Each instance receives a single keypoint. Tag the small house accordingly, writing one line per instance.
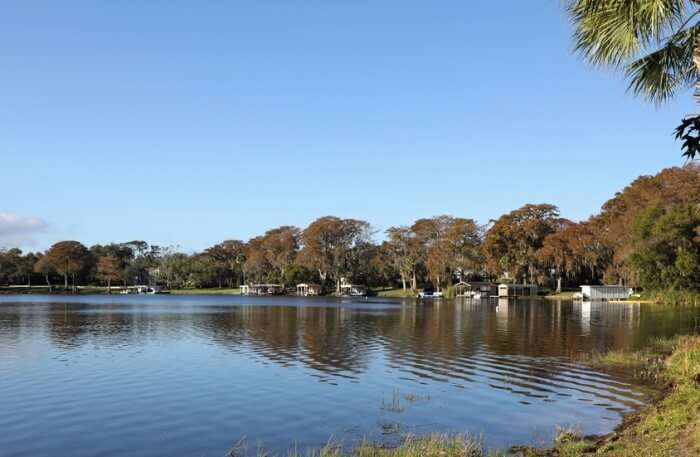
(476, 289)
(308, 290)
(261, 289)
(517, 290)
(604, 293)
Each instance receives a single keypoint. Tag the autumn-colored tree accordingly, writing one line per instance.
(109, 268)
(256, 266)
(123, 252)
(403, 251)
(327, 244)
(557, 252)
(613, 225)
(68, 258)
(280, 248)
(511, 244)
(463, 239)
(43, 266)
(429, 233)
(230, 254)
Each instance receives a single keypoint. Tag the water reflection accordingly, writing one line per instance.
(301, 370)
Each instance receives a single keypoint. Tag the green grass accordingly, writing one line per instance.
(668, 428)
(673, 297)
(429, 446)
(561, 295)
(212, 291)
(394, 293)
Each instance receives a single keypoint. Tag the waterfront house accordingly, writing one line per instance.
(307, 290)
(261, 289)
(517, 290)
(476, 289)
(604, 293)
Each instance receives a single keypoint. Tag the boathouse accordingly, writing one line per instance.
(517, 290)
(604, 293)
(261, 289)
(476, 289)
(353, 290)
(307, 290)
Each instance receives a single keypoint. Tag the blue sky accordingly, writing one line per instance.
(187, 123)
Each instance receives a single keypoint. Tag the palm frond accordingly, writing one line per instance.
(609, 32)
(658, 75)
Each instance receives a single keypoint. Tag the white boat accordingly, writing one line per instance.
(429, 293)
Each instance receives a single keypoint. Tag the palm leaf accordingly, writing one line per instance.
(609, 32)
(657, 76)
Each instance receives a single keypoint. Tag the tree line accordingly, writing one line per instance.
(647, 235)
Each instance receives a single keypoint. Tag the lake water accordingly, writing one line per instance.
(193, 375)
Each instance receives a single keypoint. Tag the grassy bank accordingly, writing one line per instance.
(394, 293)
(560, 296)
(668, 428)
(212, 291)
(673, 297)
(56, 290)
(429, 446)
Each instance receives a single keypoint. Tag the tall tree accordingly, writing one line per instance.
(463, 239)
(667, 247)
(327, 244)
(429, 233)
(68, 258)
(403, 251)
(256, 266)
(109, 269)
(511, 244)
(43, 266)
(231, 254)
(280, 248)
(612, 226)
(557, 252)
(656, 43)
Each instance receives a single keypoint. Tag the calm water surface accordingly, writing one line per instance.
(191, 376)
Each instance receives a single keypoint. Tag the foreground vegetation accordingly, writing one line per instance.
(430, 446)
(669, 427)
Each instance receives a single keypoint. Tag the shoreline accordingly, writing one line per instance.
(668, 426)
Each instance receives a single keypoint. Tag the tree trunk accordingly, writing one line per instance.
(558, 284)
(403, 281)
(65, 281)
(696, 61)
(414, 284)
(109, 286)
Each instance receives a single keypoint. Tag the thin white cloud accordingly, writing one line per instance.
(17, 230)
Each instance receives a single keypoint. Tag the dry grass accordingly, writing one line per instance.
(431, 446)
